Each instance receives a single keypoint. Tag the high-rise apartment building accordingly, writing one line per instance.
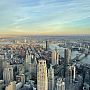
(55, 57)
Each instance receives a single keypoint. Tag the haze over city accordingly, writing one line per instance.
(44, 17)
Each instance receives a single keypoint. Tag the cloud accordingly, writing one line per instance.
(33, 14)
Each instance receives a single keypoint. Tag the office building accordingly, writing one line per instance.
(33, 67)
(70, 73)
(27, 61)
(55, 57)
(8, 73)
(67, 56)
(51, 78)
(47, 45)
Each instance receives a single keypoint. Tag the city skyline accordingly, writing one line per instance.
(45, 63)
(45, 17)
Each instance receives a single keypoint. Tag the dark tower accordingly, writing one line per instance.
(47, 45)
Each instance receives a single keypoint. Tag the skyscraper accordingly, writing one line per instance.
(27, 61)
(60, 85)
(11, 86)
(42, 79)
(47, 45)
(33, 67)
(51, 78)
(67, 56)
(1, 68)
(55, 57)
(70, 73)
(8, 73)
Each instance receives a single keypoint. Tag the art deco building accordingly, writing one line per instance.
(42, 79)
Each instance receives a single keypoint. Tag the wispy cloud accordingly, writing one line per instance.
(35, 14)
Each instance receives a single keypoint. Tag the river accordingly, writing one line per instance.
(86, 60)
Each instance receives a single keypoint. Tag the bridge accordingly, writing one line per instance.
(81, 56)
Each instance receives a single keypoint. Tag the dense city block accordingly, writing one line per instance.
(45, 63)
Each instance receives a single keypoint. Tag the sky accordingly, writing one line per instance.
(45, 17)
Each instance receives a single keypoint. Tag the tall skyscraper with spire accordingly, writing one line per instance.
(42, 79)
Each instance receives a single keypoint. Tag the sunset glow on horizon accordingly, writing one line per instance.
(44, 17)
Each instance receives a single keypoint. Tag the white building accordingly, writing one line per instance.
(60, 85)
(42, 79)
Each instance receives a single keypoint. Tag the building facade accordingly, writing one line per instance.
(51, 83)
(42, 79)
(55, 57)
